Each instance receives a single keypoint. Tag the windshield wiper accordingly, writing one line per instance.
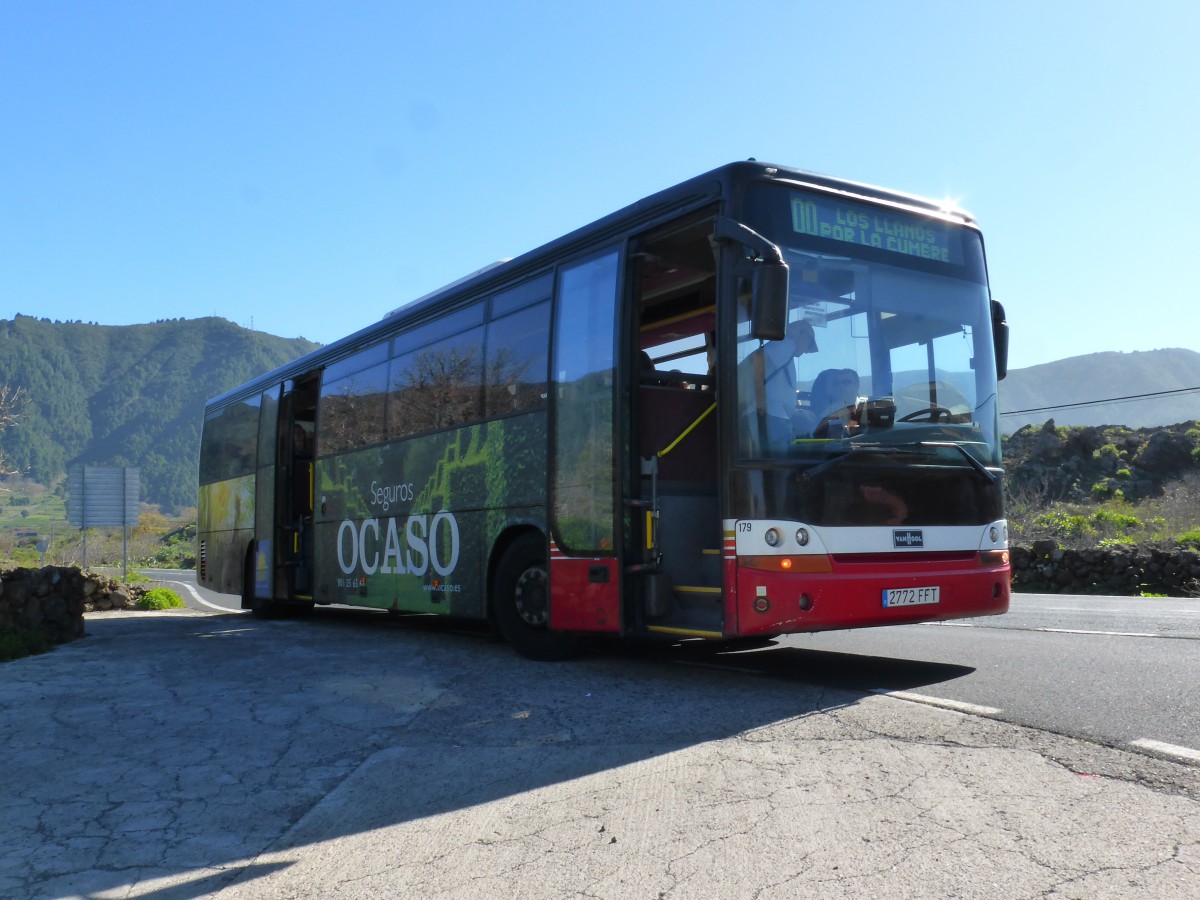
(975, 464)
(856, 449)
(893, 450)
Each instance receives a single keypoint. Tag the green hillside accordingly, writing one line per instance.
(126, 395)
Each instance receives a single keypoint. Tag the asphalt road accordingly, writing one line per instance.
(184, 754)
(1119, 671)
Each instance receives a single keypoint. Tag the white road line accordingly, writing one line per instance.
(196, 596)
(1108, 611)
(1101, 633)
(1187, 754)
(1143, 634)
(956, 705)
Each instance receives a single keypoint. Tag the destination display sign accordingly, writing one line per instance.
(866, 226)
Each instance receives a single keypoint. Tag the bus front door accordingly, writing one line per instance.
(675, 539)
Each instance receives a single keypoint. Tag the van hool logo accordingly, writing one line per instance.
(908, 538)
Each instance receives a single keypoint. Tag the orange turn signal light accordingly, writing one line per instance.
(809, 563)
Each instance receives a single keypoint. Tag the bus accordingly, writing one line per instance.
(763, 401)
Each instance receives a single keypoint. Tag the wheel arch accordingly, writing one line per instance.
(500, 547)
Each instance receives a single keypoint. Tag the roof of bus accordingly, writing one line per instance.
(641, 214)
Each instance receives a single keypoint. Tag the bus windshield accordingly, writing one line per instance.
(888, 341)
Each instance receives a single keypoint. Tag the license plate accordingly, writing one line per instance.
(914, 596)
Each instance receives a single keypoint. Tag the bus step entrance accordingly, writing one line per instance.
(683, 586)
(694, 608)
(696, 605)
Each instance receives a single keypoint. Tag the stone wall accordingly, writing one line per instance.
(1047, 568)
(53, 600)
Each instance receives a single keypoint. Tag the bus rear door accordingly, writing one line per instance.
(294, 489)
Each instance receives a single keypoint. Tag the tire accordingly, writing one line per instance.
(521, 602)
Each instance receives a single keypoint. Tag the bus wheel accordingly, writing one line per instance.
(521, 602)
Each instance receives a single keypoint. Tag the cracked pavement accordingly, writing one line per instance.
(181, 755)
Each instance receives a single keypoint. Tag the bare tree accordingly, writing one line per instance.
(12, 402)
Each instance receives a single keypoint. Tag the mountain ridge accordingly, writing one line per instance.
(1055, 390)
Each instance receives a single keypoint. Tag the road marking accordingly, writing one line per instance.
(1101, 633)
(1187, 754)
(956, 705)
(196, 596)
(1142, 634)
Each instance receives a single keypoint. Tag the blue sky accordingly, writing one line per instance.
(307, 167)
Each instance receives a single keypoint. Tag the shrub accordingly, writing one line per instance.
(1064, 524)
(18, 642)
(1191, 536)
(1102, 517)
(160, 598)
(1112, 524)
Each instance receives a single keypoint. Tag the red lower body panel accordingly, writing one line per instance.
(585, 594)
(851, 596)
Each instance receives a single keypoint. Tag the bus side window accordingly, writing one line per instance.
(438, 386)
(517, 360)
(230, 442)
(352, 410)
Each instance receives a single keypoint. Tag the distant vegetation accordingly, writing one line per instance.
(125, 395)
(30, 513)
(1103, 487)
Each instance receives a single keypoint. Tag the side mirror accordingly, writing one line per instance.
(769, 301)
(769, 291)
(1000, 339)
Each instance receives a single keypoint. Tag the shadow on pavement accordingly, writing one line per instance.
(224, 736)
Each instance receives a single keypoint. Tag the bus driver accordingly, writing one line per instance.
(772, 371)
(834, 397)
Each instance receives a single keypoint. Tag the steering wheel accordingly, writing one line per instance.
(934, 413)
(821, 431)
